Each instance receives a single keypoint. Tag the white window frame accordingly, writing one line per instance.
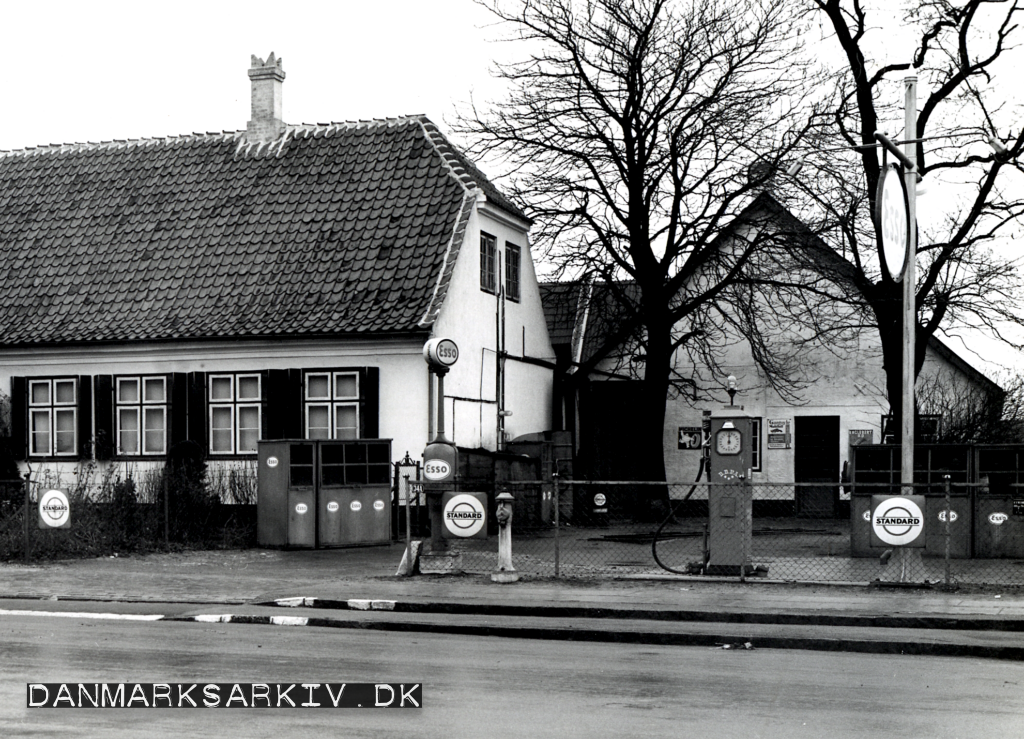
(140, 407)
(513, 266)
(49, 410)
(489, 277)
(236, 405)
(756, 448)
(332, 402)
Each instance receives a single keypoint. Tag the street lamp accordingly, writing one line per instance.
(732, 389)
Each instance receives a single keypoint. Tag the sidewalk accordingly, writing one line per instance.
(336, 581)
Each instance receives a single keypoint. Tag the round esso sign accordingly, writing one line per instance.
(464, 515)
(893, 220)
(301, 508)
(333, 506)
(897, 521)
(272, 462)
(436, 469)
(997, 519)
(54, 510)
(441, 353)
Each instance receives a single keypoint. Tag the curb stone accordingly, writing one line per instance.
(719, 641)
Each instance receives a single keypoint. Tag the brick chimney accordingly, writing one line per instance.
(267, 81)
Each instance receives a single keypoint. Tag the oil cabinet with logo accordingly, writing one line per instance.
(324, 493)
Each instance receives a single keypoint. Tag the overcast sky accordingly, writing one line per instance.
(101, 70)
(105, 69)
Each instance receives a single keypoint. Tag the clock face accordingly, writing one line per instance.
(729, 441)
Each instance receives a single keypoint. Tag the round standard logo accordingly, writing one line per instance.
(436, 469)
(464, 515)
(997, 518)
(54, 510)
(600, 500)
(272, 462)
(301, 508)
(897, 521)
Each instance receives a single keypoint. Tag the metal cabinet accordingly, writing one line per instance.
(324, 493)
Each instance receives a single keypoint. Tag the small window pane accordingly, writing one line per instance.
(346, 424)
(40, 393)
(127, 391)
(154, 436)
(222, 430)
(64, 438)
(318, 387)
(319, 422)
(333, 475)
(64, 390)
(249, 387)
(155, 390)
(128, 424)
(248, 429)
(220, 388)
(40, 432)
(346, 386)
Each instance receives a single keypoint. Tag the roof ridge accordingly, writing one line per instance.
(116, 143)
(146, 140)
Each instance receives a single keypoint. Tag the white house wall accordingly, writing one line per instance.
(849, 386)
(402, 414)
(469, 317)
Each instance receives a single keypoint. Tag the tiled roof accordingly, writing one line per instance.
(333, 229)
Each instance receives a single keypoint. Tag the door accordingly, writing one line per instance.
(816, 463)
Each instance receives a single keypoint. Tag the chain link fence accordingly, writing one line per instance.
(114, 513)
(972, 533)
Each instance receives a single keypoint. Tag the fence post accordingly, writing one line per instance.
(28, 505)
(949, 515)
(167, 508)
(558, 501)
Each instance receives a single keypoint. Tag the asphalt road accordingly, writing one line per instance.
(479, 686)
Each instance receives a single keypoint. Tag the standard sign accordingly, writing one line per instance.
(54, 510)
(897, 521)
(464, 515)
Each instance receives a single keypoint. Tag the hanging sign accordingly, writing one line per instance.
(54, 510)
(779, 436)
(892, 214)
(464, 515)
(690, 437)
(897, 520)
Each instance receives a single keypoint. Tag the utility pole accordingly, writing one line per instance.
(909, 289)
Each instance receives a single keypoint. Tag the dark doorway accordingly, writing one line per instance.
(611, 430)
(816, 463)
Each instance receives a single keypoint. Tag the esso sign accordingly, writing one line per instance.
(441, 353)
(436, 469)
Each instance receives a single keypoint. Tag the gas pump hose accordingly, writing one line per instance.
(671, 516)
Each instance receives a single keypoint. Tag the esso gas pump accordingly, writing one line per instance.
(730, 496)
(440, 456)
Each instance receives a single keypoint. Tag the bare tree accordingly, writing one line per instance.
(972, 414)
(964, 280)
(636, 133)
